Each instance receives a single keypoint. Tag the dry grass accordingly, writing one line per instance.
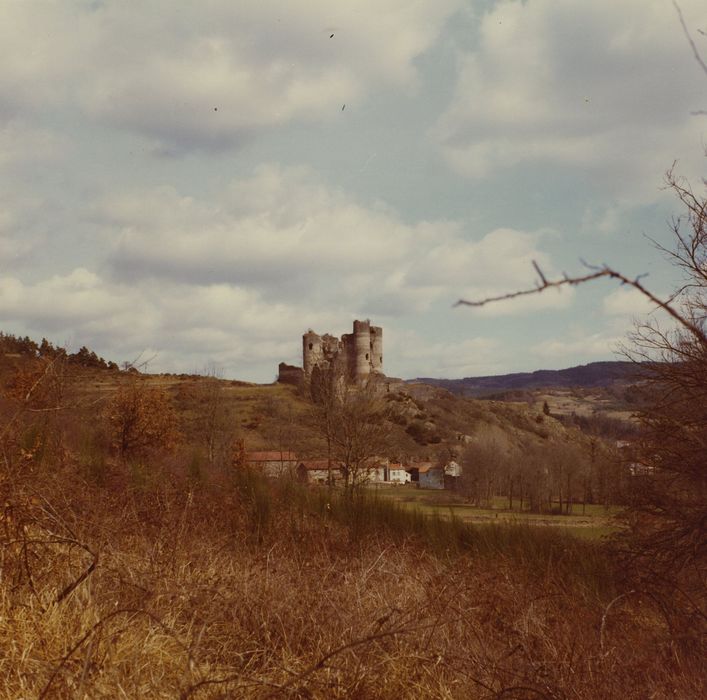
(148, 580)
(239, 588)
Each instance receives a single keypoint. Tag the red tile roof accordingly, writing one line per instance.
(423, 467)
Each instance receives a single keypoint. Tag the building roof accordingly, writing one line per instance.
(270, 456)
(421, 467)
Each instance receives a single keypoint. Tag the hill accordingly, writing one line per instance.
(592, 375)
(176, 572)
(424, 422)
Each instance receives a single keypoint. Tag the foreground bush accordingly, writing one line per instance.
(241, 588)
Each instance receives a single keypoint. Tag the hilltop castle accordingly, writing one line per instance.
(355, 356)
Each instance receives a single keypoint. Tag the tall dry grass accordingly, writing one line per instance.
(161, 586)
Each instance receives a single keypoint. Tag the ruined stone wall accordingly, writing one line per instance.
(289, 374)
(348, 360)
(356, 355)
(376, 348)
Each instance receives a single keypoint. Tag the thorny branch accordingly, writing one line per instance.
(401, 629)
(603, 271)
(689, 38)
(297, 678)
(693, 46)
(606, 612)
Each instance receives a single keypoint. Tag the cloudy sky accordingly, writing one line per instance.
(201, 182)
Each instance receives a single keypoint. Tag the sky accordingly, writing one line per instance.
(198, 184)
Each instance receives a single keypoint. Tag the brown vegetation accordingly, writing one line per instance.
(145, 572)
(151, 583)
(141, 421)
(664, 549)
(244, 589)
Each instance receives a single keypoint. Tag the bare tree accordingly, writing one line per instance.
(668, 515)
(214, 420)
(323, 391)
(482, 462)
(353, 423)
(665, 546)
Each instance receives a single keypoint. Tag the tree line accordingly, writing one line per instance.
(547, 477)
(24, 345)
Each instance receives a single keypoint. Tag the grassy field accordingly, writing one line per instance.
(159, 574)
(596, 522)
(249, 589)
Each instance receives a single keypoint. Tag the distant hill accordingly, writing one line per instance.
(593, 375)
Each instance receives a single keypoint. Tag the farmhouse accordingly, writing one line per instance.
(273, 463)
(397, 474)
(284, 463)
(316, 471)
(430, 476)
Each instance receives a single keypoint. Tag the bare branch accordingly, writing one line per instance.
(606, 612)
(601, 272)
(689, 38)
(540, 272)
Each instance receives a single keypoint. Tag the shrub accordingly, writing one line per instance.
(141, 421)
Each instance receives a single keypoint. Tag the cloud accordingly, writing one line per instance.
(209, 75)
(499, 263)
(280, 231)
(627, 302)
(21, 144)
(603, 87)
(26, 153)
(418, 356)
(185, 326)
(235, 277)
(285, 234)
(73, 299)
(23, 226)
(586, 341)
(580, 347)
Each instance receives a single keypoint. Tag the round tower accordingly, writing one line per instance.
(377, 348)
(311, 351)
(362, 340)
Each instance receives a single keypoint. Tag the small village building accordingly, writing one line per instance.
(316, 471)
(386, 472)
(273, 463)
(397, 474)
(630, 457)
(378, 471)
(452, 469)
(429, 476)
(283, 463)
(641, 469)
(452, 472)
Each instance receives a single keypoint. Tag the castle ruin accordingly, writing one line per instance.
(355, 356)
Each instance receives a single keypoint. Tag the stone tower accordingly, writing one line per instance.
(362, 350)
(311, 351)
(356, 354)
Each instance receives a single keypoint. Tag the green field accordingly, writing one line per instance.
(596, 522)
